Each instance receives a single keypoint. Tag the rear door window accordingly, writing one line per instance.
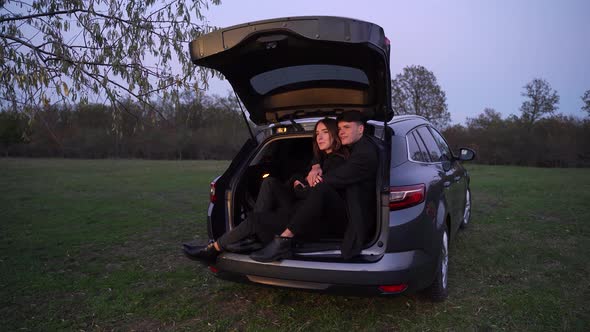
(431, 145)
(416, 150)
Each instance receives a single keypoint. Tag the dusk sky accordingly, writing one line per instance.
(482, 52)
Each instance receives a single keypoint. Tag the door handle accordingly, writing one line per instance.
(457, 178)
(447, 184)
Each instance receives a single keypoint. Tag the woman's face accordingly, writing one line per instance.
(323, 138)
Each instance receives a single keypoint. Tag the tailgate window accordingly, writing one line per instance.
(271, 80)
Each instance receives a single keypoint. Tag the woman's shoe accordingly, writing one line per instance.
(279, 248)
(207, 254)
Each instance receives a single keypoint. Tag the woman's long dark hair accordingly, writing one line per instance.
(336, 144)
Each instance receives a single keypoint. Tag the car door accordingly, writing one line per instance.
(451, 189)
(459, 174)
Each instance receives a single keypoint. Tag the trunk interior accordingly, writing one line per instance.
(281, 158)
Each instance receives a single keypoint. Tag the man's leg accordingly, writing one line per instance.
(357, 229)
(264, 225)
(240, 232)
(208, 253)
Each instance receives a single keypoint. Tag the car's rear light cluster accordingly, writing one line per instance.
(212, 196)
(392, 289)
(406, 196)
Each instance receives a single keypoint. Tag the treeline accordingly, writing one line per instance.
(200, 127)
(555, 141)
(205, 127)
(538, 137)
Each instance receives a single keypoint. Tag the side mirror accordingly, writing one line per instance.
(466, 154)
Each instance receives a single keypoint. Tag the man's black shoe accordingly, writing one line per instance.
(277, 249)
(206, 254)
(246, 245)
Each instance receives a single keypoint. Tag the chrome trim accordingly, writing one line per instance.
(287, 283)
(393, 261)
(319, 253)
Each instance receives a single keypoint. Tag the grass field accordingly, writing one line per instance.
(94, 245)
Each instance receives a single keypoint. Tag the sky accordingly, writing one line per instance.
(482, 52)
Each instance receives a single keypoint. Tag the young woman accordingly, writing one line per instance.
(266, 221)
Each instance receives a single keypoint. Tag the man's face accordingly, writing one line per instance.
(350, 132)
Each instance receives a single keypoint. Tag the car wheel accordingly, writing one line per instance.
(439, 291)
(467, 211)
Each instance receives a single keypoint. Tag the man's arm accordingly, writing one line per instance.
(361, 165)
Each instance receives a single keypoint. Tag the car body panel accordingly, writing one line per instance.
(219, 211)
(412, 267)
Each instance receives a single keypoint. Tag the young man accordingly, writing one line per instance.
(355, 178)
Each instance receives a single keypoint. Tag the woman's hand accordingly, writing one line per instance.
(314, 173)
(298, 183)
(318, 180)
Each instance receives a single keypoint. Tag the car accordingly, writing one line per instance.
(290, 72)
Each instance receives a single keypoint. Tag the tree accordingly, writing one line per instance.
(542, 100)
(70, 50)
(586, 100)
(416, 91)
(488, 119)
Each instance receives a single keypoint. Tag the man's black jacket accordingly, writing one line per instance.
(356, 177)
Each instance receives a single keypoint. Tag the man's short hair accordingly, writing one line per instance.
(351, 116)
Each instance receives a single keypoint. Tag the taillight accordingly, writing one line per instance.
(212, 196)
(393, 288)
(406, 196)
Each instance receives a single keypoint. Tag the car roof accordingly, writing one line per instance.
(402, 124)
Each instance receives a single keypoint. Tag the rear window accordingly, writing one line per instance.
(270, 80)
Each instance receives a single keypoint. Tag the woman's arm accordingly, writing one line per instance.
(315, 173)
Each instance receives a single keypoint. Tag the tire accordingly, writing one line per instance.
(439, 290)
(467, 212)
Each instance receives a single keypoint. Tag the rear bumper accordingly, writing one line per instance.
(414, 268)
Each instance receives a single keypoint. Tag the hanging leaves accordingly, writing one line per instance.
(110, 49)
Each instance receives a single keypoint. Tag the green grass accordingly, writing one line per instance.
(94, 245)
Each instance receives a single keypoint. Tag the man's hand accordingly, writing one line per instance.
(314, 176)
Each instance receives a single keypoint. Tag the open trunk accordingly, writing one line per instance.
(281, 157)
(302, 67)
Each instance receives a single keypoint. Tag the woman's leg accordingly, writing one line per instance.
(273, 195)
(322, 200)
